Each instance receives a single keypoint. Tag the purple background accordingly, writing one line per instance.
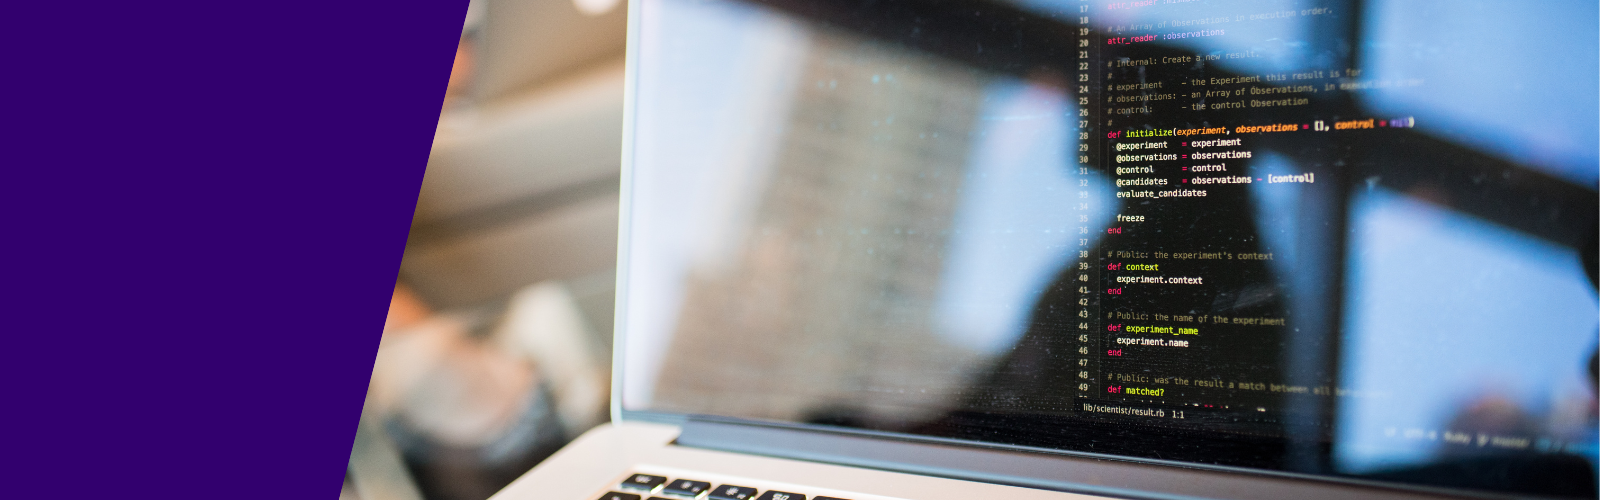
(207, 205)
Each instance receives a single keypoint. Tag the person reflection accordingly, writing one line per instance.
(1027, 398)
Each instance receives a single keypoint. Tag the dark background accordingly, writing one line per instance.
(207, 204)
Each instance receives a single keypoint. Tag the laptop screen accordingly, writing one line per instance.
(1343, 238)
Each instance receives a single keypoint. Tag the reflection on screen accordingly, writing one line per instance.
(1464, 338)
(1011, 232)
(1353, 239)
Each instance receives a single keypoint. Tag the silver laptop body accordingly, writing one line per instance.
(939, 249)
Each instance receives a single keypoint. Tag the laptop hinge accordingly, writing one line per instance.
(1048, 471)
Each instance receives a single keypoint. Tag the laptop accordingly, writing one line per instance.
(1027, 249)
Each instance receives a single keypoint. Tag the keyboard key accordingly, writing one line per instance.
(731, 492)
(643, 482)
(619, 496)
(827, 498)
(780, 495)
(686, 487)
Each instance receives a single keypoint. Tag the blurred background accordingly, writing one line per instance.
(496, 349)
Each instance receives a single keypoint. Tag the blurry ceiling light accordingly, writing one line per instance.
(595, 7)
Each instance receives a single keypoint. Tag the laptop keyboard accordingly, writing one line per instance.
(638, 486)
(686, 488)
(731, 492)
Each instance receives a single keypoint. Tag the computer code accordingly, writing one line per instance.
(1317, 236)
(1185, 310)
